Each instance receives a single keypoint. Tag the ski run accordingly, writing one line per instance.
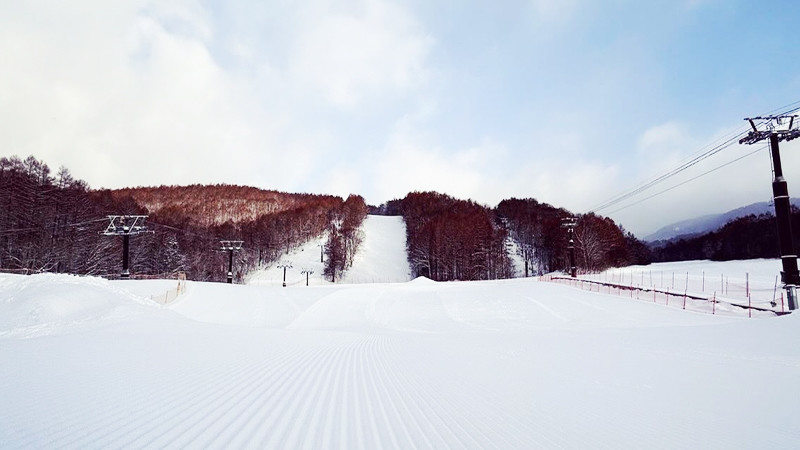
(382, 361)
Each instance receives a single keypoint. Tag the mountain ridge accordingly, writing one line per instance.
(710, 222)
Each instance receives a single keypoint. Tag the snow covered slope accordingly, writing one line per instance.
(505, 364)
(380, 259)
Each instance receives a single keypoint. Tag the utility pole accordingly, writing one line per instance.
(125, 226)
(230, 247)
(569, 223)
(284, 266)
(307, 272)
(780, 191)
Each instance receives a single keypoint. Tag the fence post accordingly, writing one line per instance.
(714, 304)
(775, 290)
(747, 285)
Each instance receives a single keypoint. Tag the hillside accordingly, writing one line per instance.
(744, 238)
(381, 259)
(56, 224)
(700, 225)
(213, 205)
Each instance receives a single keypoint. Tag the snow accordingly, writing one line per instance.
(382, 258)
(89, 363)
(728, 281)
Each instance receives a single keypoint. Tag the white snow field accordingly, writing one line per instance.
(90, 363)
(381, 259)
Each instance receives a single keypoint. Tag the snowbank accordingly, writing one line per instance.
(51, 303)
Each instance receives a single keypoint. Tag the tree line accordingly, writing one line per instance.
(451, 239)
(542, 240)
(53, 223)
(748, 237)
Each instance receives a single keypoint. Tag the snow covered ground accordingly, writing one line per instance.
(382, 258)
(754, 282)
(90, 363)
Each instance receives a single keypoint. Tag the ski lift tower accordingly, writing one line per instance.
(570, 223)
(230, 247)
(125, 226)
(307, 272)
(776, 131)
(284, 265)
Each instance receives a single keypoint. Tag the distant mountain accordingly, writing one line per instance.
(704, 224)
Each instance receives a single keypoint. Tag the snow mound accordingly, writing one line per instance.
(422, 280)
(44, 304)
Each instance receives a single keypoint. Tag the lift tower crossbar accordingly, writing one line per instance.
(777, 131)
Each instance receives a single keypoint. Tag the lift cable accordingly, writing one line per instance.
(691, 162)
(691, 179)
(77, 224)
(705, 152)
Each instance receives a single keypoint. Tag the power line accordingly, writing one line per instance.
(40, 228)
(691, 162)
(689, 180)
(721, 144)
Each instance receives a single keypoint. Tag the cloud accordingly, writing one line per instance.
(147, 97)
(554, 11)
(350, 54)
(489, 171)
(148, 105)
(411, 165)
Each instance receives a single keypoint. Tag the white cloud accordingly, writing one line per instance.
(352, 53)
(139, 100)
(413, 166)
(668, 135)
(553, 12)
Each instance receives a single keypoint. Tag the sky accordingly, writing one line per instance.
(570, 102)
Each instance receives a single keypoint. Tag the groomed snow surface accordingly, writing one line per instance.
(89, 363)
(381, 259)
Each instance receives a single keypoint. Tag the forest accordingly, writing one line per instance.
(539, 231)
(747, 237)
(451, 239)
(54, 223)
